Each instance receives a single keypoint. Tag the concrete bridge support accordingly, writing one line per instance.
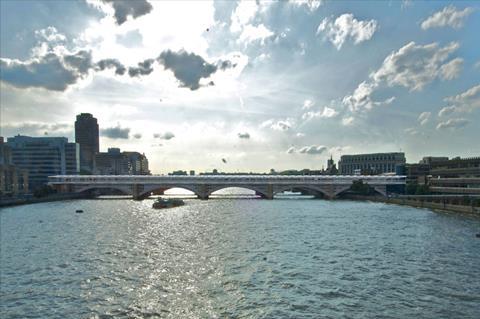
(202, 192)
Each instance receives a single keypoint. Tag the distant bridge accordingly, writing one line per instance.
(142, 186)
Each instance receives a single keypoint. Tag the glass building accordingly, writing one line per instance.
(43, 157)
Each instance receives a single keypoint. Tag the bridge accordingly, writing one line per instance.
(266, 186)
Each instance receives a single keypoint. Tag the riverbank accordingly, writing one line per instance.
(5, 202)
(419, 202)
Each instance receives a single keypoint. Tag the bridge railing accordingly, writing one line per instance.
(225, 179)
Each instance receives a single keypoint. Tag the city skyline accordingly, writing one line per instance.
(271, 85)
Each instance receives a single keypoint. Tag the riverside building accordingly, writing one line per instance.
(376, 163)
(115, 162)
(12, 179)
(43, 157)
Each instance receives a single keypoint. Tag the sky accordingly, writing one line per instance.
(247, 85)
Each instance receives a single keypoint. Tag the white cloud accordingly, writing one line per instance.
(348, 120)
(424, 117)
(327, 112)
(412, 66)
(453, 124)
(451, 70)
(411, 131)
(344, 27)
(282, 125)
(252, 33)
(447, 110)
(307, 104)
(449, 16)
(311, 5)
(463, 102)
(241, 22)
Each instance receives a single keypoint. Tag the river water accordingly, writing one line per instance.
(237, 258)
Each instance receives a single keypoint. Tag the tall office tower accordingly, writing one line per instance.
(86, 135)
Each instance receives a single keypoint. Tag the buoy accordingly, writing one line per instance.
(79, 211)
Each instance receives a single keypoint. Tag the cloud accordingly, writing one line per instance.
(164, 136)
(412, 131)
(311, 5)
(282, 125)
(241, 19)
(51, 71)
(252, 33)
(327, 112)
(464, 102)
(309, 150)
(307, 104)
(451, 70)
(412, 66)
(111, 63)
(137, 136)
(123, 9)
(424, 117)
(447, 110)
(348, 120)
(449, 16)
(116, 132)
(37, 128)
(244, 135)
(344, 27)
(188, 68)
(453, 124)
(50, 34)
(143, 68)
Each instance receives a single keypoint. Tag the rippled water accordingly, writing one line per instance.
(230, 258)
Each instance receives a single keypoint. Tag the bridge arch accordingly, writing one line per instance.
(256, 189)
(123, 190)
(307, 188)
(162, 188)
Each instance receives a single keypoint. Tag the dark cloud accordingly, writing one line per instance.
(36, 128)
(137, 136)
(164, 136)
(116, 132)
(188, 68)
(125, 8)
(111, 63)
(51, 71)
(223, 65)
(244, 135)
(144, 68)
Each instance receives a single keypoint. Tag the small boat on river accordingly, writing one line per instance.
(167, 203)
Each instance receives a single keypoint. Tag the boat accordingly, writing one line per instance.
(167, 203)
(79, 211)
